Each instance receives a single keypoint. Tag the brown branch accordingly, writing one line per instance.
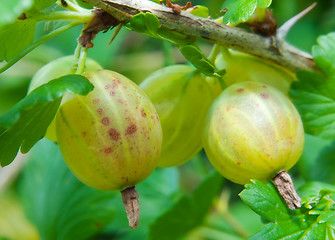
(268, 48)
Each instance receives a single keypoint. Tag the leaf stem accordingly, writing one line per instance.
(37, 43)
(223, 209)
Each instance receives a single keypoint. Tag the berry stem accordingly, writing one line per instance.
(132, 205)
(168, 57)
(81, 60)
(213, 54)
(286, 189)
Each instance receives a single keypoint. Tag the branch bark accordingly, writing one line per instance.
(269, 48)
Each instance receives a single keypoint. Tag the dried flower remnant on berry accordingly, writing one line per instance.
(176, 8)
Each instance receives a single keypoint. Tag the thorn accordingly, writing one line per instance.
(115, 33)
(286, 27)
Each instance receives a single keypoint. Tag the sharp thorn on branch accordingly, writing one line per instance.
(286, 27)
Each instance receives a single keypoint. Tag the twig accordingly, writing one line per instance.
(210, 30)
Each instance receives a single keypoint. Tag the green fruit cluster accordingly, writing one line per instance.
(114, 137)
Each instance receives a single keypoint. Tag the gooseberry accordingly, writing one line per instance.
(253, 131)
(241, 67)
(182, 98)
(111, 138)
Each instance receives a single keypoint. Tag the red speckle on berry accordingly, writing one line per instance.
(100, 111)
(114, 134)
(95, 100)
(105, 121)
(131, 129)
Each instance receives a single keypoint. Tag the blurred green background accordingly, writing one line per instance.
(39, 197)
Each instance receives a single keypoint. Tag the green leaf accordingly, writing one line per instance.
(56, 202)
(315, 220)
(188, 212)
(15, 37)
(318, 160)
(324, 54)
(42, 4)
(241, 10)
(175, 37)
(264, 3)
(200, 11)
(29, 119)
(311, 189)
(12, 9)
(314, 94)
(264, 200)
(145, 23)
(198, 59)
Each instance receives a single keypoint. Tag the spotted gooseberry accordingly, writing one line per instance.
(253, 131)
(111, 138)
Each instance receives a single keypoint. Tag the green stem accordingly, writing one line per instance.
(71, 6)
(225, 52)
(37, 43)
(64, 15)
(213, 54)
(168, 58)
(77, 52)
(237, 227)
(81, 61)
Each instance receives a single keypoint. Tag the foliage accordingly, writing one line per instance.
(315, 220)
(314, 93)
(28, 120)
(191, 211)
(241, 10)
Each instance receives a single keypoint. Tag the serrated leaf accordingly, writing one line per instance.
(198, 59)
(29, 119)
(16, 37)
(188, 212)
(314, 94)
(241, 10)
(56, 202)
(10, 10)
(324, 54)
(145, 23)
(265, 201)
(313, 221)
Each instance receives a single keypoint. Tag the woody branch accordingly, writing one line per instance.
(272, 48)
